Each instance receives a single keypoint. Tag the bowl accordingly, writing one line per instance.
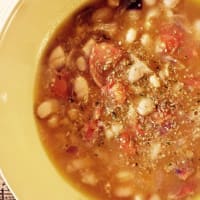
(23, 160)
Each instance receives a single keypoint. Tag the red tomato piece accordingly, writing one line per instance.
(127, 143)
(90, 130)
(118, 93)
(59, 87)
(189, 50)
(173, 36)
(115, 91)
(139, 129)
(184, 173)
(192, 82)
(103, 58)
(72, 149)
(185, 190)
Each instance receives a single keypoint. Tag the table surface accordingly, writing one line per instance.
(6, 8)
(5, 193)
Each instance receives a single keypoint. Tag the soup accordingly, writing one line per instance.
(118, 99)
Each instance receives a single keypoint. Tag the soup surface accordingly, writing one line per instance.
(118, 99)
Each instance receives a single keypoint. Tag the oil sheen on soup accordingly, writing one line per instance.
(118, 99)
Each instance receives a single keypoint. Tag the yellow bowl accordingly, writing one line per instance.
(22, 158)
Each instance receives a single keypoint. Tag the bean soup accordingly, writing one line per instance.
(118, 99)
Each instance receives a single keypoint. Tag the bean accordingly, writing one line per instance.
(154, 80)
(123, 191)
(155, 150)
(89, 178)
(145, 40)
(73, 114)
(53, 121)
(155, 197)
(113, 3)
(57, 58)
(102, 15)
(131, 35)
(88, 47)
(46, 108)
(150, 2)
(81, 88)
(171, 3)
(81, 63)
(137, 71)
(124, 176)
(145, 106)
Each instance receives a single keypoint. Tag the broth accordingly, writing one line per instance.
(118, 102)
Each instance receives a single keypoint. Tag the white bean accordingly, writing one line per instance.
(81, 88)
(160, 46)
(169, 13)
(46, 108)
(132, 114)
(123, 191)
(137, 71)
(109, 28)
(113, 3)
(124, 176)
(116, 129)
(155, 81)
(171, 3)
(145, 106)
(155, 150)
(113, 131)
(102, 15)
(131, 35)
(78, 164)
(145, 40)
(81, 63)
(109, 134)
(155, 197)
(150, 2)
(164, 73)
(57, 58)
(89, 178)
(138, 197)
(73, 114)
(53, 121)
(88, 47)
(152, 13)
(196, 27)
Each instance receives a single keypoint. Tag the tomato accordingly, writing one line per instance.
(72, 149)
(192, 82)
(139, 129)
(173, 36)
(185, 190)
(184, 173)
(127, 143)
(59, 87)
(104, 57)
(118, 93)
(115, 91)
(90, 130)
(188, 50)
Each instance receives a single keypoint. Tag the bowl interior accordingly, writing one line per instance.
(23, 160)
